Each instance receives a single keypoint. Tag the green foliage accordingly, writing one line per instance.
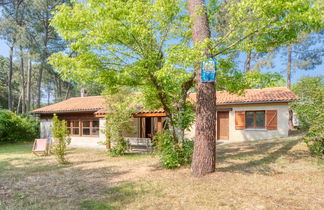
(120, 147)
(120, 107)
(61, 139)
(262, 24)
(14, 128)
(145, 45)
(173, 155)
(315, 136)
(310, 105)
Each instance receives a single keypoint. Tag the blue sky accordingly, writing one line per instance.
(279, 64)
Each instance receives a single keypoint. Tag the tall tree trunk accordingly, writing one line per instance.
(203, 161)
(248, 61)
(10, 104)
(39, 84)
(290, 118)
(29, 73)
(23, 101)
(67, 91)
(48, 95)
(60, 90)
(44, 55)
(19, 104)
(289, 67)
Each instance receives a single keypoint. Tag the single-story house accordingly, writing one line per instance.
(257, 114)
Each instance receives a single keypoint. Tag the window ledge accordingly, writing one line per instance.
(256, 129)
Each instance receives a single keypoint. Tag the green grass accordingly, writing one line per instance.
(272, 174)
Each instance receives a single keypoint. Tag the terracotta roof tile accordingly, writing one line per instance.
(264, 95)
(96, 103)
(78, 104)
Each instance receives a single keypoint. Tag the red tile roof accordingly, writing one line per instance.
(96, 103)
(264, 95)
(78, 104)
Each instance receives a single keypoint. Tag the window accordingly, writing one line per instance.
(267, 119)
(255, 119)
(95, 128)
(73, 127)
(83, 127)
(86, 128)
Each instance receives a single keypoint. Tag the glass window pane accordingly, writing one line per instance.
(95, 123)
(75, 131)
(95, 131)
(86, 123)
(68, 123)
(86, 131)
(249, 119)
(260, 119)
(75, 123)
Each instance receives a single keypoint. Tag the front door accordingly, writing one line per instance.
(222, 125)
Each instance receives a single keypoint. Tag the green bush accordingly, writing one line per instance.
(187, 151)
(120, 148)
(310, 104)
(173, 155)
(315, 137)
(61, 139)
(15, 128)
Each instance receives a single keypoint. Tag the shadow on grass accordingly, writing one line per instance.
(42, 183)
(256, 157)
(116, 197)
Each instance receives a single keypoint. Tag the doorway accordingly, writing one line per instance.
(222, 125)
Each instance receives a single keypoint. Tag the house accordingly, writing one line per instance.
(257, 114)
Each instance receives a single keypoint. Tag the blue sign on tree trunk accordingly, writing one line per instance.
(208, 70)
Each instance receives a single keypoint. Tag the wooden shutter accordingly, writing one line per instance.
(271, 119)
(240, 120)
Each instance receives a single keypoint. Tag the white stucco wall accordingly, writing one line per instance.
(254, 134)
(77, 141)
(91, 142)
(257, 134)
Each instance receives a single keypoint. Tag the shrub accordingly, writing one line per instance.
(15, 128)
(310, 105)
(120, 148)
(173, 155)
(315, 137)
(61, 139)
(187, 151)
(120, 107)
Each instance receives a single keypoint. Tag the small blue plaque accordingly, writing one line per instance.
(208, 70)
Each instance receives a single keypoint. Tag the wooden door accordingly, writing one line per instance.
(222, 125)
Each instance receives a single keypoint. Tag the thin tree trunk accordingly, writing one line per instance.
(203, 161)
(44, 56)
(289, 67)
(19, 104)
(48, 95)
(248, 61)
(290, 118)
(29, 73)
(60, 90)
(39, 84)
(10, 104)
(67, 91)
(23, 101)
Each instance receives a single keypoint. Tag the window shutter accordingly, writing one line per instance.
(271, 119)
(240, 120)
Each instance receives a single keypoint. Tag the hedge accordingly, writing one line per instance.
(15, 128)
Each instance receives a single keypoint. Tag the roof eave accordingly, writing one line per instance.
(255, 102)
(64, 111)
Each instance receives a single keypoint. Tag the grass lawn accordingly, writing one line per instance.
(272, 174)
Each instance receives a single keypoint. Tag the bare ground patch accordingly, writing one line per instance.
(275, 174)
